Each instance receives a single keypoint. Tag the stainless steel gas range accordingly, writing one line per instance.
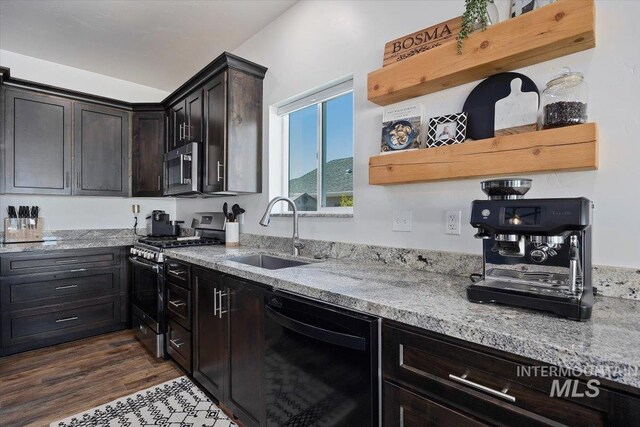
(148, 284)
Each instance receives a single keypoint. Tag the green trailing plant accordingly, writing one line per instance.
(475, 16)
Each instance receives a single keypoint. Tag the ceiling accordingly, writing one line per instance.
(156, 43)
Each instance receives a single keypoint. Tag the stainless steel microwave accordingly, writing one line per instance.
(182, 171)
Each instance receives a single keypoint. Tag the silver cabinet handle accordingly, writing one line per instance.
(177, 304)
(215, 301)
(66, 287)
(187, 136)
(219, 166)
(67, 319)
(180, 132)
(220, 310)
(501, 394)
(159, 178)
(176, 343)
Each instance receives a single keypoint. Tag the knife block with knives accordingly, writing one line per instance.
(24, 226)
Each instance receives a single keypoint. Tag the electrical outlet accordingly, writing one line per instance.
(452, 222)
(402, 220)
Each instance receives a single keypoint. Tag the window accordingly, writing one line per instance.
(318, 139)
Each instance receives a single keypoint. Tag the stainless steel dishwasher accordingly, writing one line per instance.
(321, 364)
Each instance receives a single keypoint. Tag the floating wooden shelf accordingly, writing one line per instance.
(560, 149)
(555, 30)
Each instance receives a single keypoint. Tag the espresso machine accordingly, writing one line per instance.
(536, 252)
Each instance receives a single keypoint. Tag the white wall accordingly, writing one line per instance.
(61, 212)
(41, 71)
(75, 213)
(315, 42)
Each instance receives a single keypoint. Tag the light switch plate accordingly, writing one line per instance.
(452, 222)
(402, 220)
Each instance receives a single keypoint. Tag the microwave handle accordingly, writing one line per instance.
(183, 158)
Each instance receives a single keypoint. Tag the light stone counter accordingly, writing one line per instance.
(609, 343)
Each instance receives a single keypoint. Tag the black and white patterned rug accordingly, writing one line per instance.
(175, 403)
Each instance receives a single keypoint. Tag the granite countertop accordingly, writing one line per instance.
(57, 245)
(608, 345)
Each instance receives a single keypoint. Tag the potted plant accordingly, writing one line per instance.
(478, 14)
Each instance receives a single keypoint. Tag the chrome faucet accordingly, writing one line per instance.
(266, 218)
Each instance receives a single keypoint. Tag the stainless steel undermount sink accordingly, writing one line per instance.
(267, 261)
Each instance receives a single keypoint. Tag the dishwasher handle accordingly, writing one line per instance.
(332, 337)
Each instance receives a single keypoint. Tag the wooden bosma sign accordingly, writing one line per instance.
(421, 41)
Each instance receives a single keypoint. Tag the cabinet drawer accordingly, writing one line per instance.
(43, 289)
(179, 304)
(32, 325)
(27, 263)
(179, 344)
(489, 386)
(178, 272)
(407, 409)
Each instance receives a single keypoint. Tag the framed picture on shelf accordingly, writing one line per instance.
(447, 130)
(518, 7)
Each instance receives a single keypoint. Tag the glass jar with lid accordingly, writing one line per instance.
(564, 101)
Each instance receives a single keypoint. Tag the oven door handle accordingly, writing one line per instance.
(134, 260)
(332, 337)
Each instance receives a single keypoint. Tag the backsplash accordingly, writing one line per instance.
(614, 282)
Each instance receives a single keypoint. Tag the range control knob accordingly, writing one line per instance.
(538, 255)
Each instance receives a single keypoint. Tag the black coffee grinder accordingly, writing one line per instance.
(537, 252)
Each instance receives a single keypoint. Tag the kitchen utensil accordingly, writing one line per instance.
(481, 102)
(225, 210)
(11, 211)
(237, 211)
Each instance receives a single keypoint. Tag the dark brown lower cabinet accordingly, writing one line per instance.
(430, 379)
(404, 408)
(245, 314)
(52, 297)
(228, 342)
(210, 333)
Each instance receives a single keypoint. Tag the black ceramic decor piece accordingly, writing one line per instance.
(481, 102)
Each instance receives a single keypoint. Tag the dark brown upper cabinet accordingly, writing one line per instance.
(101, 151)
(37, 143)
(233, 133)
(186, 120)
(148, 147)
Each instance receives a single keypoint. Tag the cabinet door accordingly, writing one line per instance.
(403, 408)
(147, 154)
(209, 332)
(245, 312)
(101, 147)
(193, 119)
(177, 114)
(38, 144)
(215, 119)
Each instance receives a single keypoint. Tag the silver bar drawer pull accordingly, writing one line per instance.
(67, 319)
(66, 287)
(501, 394)
(176, 343)
(177, 304)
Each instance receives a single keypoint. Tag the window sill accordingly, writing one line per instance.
(315, 214)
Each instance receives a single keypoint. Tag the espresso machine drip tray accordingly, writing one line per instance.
(530, 282)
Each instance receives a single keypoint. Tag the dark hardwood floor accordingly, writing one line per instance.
(42, 386)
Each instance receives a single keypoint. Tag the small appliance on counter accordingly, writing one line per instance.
(23, 225)
(159, 224)
(536, 252)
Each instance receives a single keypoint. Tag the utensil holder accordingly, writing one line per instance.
(22, 230)
(232, 234)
